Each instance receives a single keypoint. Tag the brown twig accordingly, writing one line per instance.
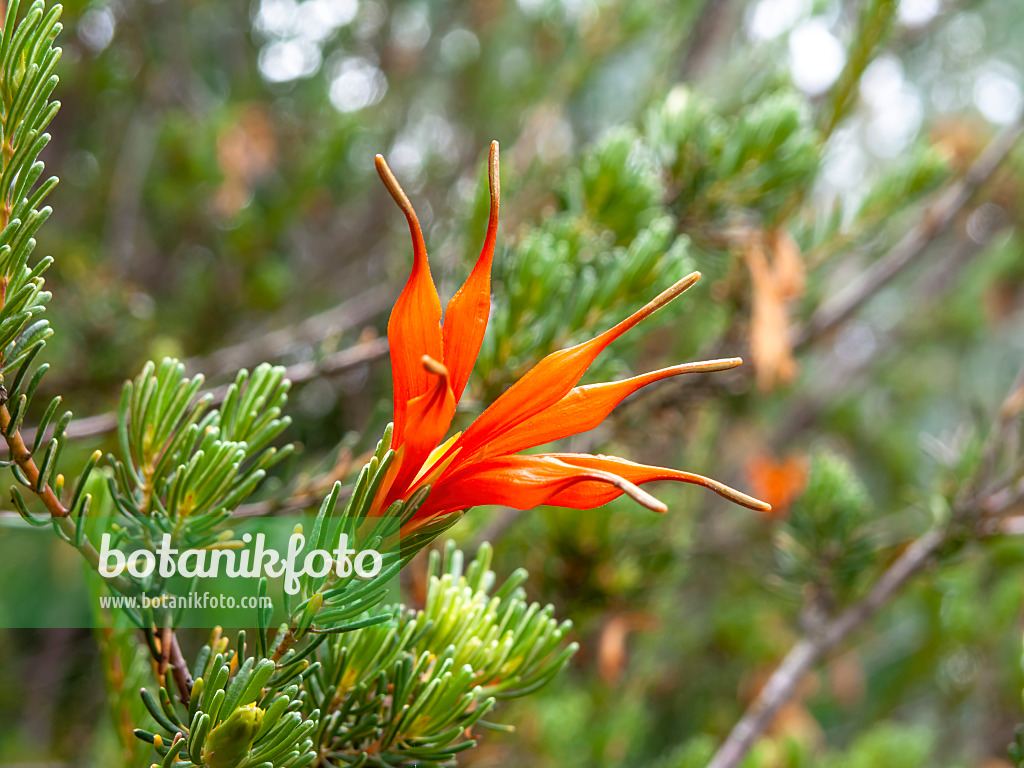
(936, 220)
(179, 669)
(287, 641)
(1008, 415)
(269, 346)
(707, 32)
(163, 659)
(783, 683)
(22, 456)
(339, 362)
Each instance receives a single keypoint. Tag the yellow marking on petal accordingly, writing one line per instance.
(376, 508)
(428, 467)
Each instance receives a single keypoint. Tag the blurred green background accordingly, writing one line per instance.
(217, 190)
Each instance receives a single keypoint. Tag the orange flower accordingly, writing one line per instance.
(431, 359)
(779, 481)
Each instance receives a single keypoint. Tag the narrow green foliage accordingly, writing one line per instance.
(617, 185)
(27, 61)
(617, 239)
(1016, 748)
(28, 58)
(876, 17)
(827, 541)
(335, 603)
(189, 464)
(760, 160)
(921, 170)
(396, 693)
(887, 745)
(551, 282)
(444, 667)
(233, 717)
(229, 744)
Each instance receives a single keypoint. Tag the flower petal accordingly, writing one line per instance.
(589, 495)
(552, 378)
(522, 482)
(427, 419)
(584, 408)
(414, 329)
(465, 318)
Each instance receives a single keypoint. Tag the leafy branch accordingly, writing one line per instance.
(383, 694)
(969, 512)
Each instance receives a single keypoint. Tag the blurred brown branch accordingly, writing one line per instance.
(338, 362)
(970, 506)
(269, 346)
(936, 219)
(835, 311)
(709, 28)
(783, 683)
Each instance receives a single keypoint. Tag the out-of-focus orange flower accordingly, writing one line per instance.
(431, 359)
(780, 482)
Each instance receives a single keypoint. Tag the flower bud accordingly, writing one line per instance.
(230, 742)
